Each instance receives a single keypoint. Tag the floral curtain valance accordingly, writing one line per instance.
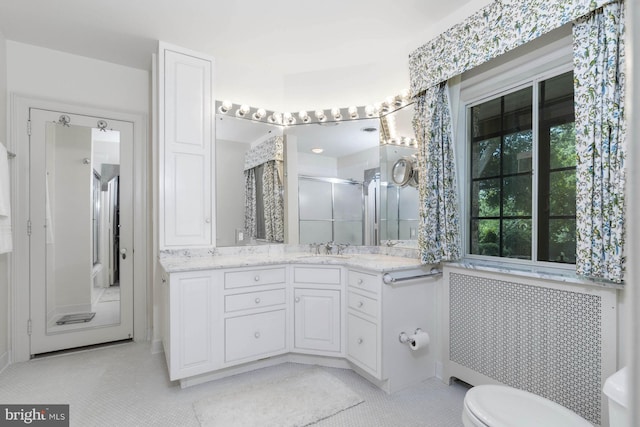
(496, 29)
(271, 149)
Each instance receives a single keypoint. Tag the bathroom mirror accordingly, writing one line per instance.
(336, 166)
(81, 191)
(398, 179)
(338, 180)
(236, 140)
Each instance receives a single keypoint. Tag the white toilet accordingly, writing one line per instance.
(502, 406)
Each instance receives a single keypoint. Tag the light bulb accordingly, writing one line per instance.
(289, 119)
(275, 118)
(225, 106)
(369, 110)
(304, 116)
(320, 116)
(353, 112)
(259, 114)
(243, 110)
(335, 113)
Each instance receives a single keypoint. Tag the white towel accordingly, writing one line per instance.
(6, 242)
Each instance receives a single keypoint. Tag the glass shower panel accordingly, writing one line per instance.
(315, 231)
(347, 202)
(315, 200)
(348, 232)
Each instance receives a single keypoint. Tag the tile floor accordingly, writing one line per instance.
(126, 385)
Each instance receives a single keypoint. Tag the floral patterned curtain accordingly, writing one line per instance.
(273, 201)
(497, 28)
(599, 80)
(250, 225)
(439, 227)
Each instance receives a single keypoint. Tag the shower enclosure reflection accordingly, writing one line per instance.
(82, 226)
(334, 165)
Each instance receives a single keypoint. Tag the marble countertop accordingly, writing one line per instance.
(373, 262)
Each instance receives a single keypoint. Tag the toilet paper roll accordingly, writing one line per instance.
(419, 340)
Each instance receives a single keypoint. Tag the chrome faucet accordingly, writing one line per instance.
(341, 247)
(329, 247)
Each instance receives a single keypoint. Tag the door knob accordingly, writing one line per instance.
(123, 252)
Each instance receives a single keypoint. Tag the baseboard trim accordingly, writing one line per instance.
(156, 347)
(4, 361)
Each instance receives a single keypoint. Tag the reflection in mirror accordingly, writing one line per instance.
(399, 179)
(81, 202)
(249, 182)
(336, 165)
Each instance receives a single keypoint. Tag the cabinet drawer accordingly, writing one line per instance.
(255, 335)
(365, 282)
(327, 276)
(362, 344)
(252, 300)
(363, 304)
(264, 276)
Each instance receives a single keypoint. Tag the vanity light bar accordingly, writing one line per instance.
(334, 114)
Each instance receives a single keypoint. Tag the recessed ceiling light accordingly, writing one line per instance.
(317, 150)
(369, 129)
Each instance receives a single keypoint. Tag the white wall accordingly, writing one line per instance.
(4, 258)
(229, 190)
(51, 74)
(343, 87)
(248, 84)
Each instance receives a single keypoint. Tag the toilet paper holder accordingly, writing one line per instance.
(406, 339)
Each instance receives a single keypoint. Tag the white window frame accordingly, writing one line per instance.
(512, 72)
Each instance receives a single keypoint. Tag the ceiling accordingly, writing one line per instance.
(283, 35)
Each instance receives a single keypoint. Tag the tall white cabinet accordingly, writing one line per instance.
(185, 148)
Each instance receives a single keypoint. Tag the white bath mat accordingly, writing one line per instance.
(293, 401)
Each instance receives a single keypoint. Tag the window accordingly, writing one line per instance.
(519, 210)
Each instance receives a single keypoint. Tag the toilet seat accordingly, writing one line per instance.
(502, 406)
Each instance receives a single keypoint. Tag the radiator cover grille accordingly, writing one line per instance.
(543, 340)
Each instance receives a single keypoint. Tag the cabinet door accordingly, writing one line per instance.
(185, 154)
(317, 320)
(192, 316)
(362, 344)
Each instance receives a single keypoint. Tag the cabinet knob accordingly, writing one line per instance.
(257, 334)
(360, 281)
(257, 300)
(297, 299)
(360, 340)
(360, 304)
(257, 278)
(207, 220)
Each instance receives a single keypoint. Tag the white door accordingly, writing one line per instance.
(81, 233)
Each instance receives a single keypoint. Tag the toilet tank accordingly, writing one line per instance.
(617, 391)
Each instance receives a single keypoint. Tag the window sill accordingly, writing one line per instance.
(536, 272)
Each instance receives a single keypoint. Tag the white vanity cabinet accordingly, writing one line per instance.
(185, 148)
(317, 310)
(364, 322)
(189, 311)
(255, 313)
(377, 314)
